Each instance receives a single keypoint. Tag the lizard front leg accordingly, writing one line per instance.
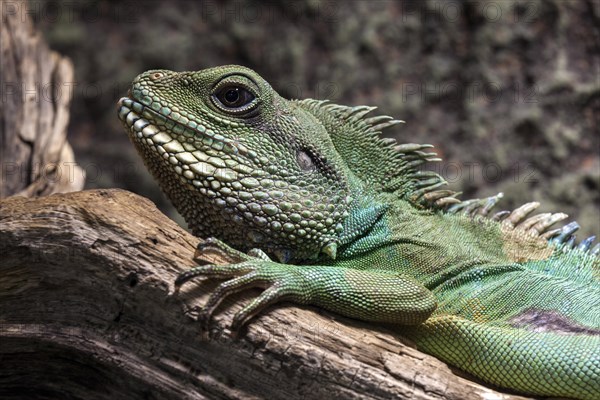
(366, 295)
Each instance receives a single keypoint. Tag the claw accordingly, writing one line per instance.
(204, 321)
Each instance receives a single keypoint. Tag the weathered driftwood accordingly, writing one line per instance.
(87, 311)
(37, 85)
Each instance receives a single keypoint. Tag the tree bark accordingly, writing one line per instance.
(37, 84)
(87, 311)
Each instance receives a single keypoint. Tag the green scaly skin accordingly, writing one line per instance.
(327, 213)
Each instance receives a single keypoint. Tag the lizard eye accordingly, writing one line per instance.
(234, 98)
(236, 95)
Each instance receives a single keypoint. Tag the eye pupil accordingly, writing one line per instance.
(234, 98)
(232, 95)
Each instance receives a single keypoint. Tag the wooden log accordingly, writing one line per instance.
(36, 91)
(87, 310)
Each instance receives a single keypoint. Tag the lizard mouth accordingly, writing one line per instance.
(144, 122)
(184, 148)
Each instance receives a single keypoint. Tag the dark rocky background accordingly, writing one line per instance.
(507, 91)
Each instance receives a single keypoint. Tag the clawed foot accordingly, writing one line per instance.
(278, 280)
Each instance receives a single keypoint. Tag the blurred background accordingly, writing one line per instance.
(507, 91)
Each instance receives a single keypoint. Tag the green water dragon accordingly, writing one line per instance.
(324, 211)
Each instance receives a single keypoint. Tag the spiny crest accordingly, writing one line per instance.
(392, 167)
(384, 164)
(537, 225)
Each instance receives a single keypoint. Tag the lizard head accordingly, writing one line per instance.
(239, 162)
